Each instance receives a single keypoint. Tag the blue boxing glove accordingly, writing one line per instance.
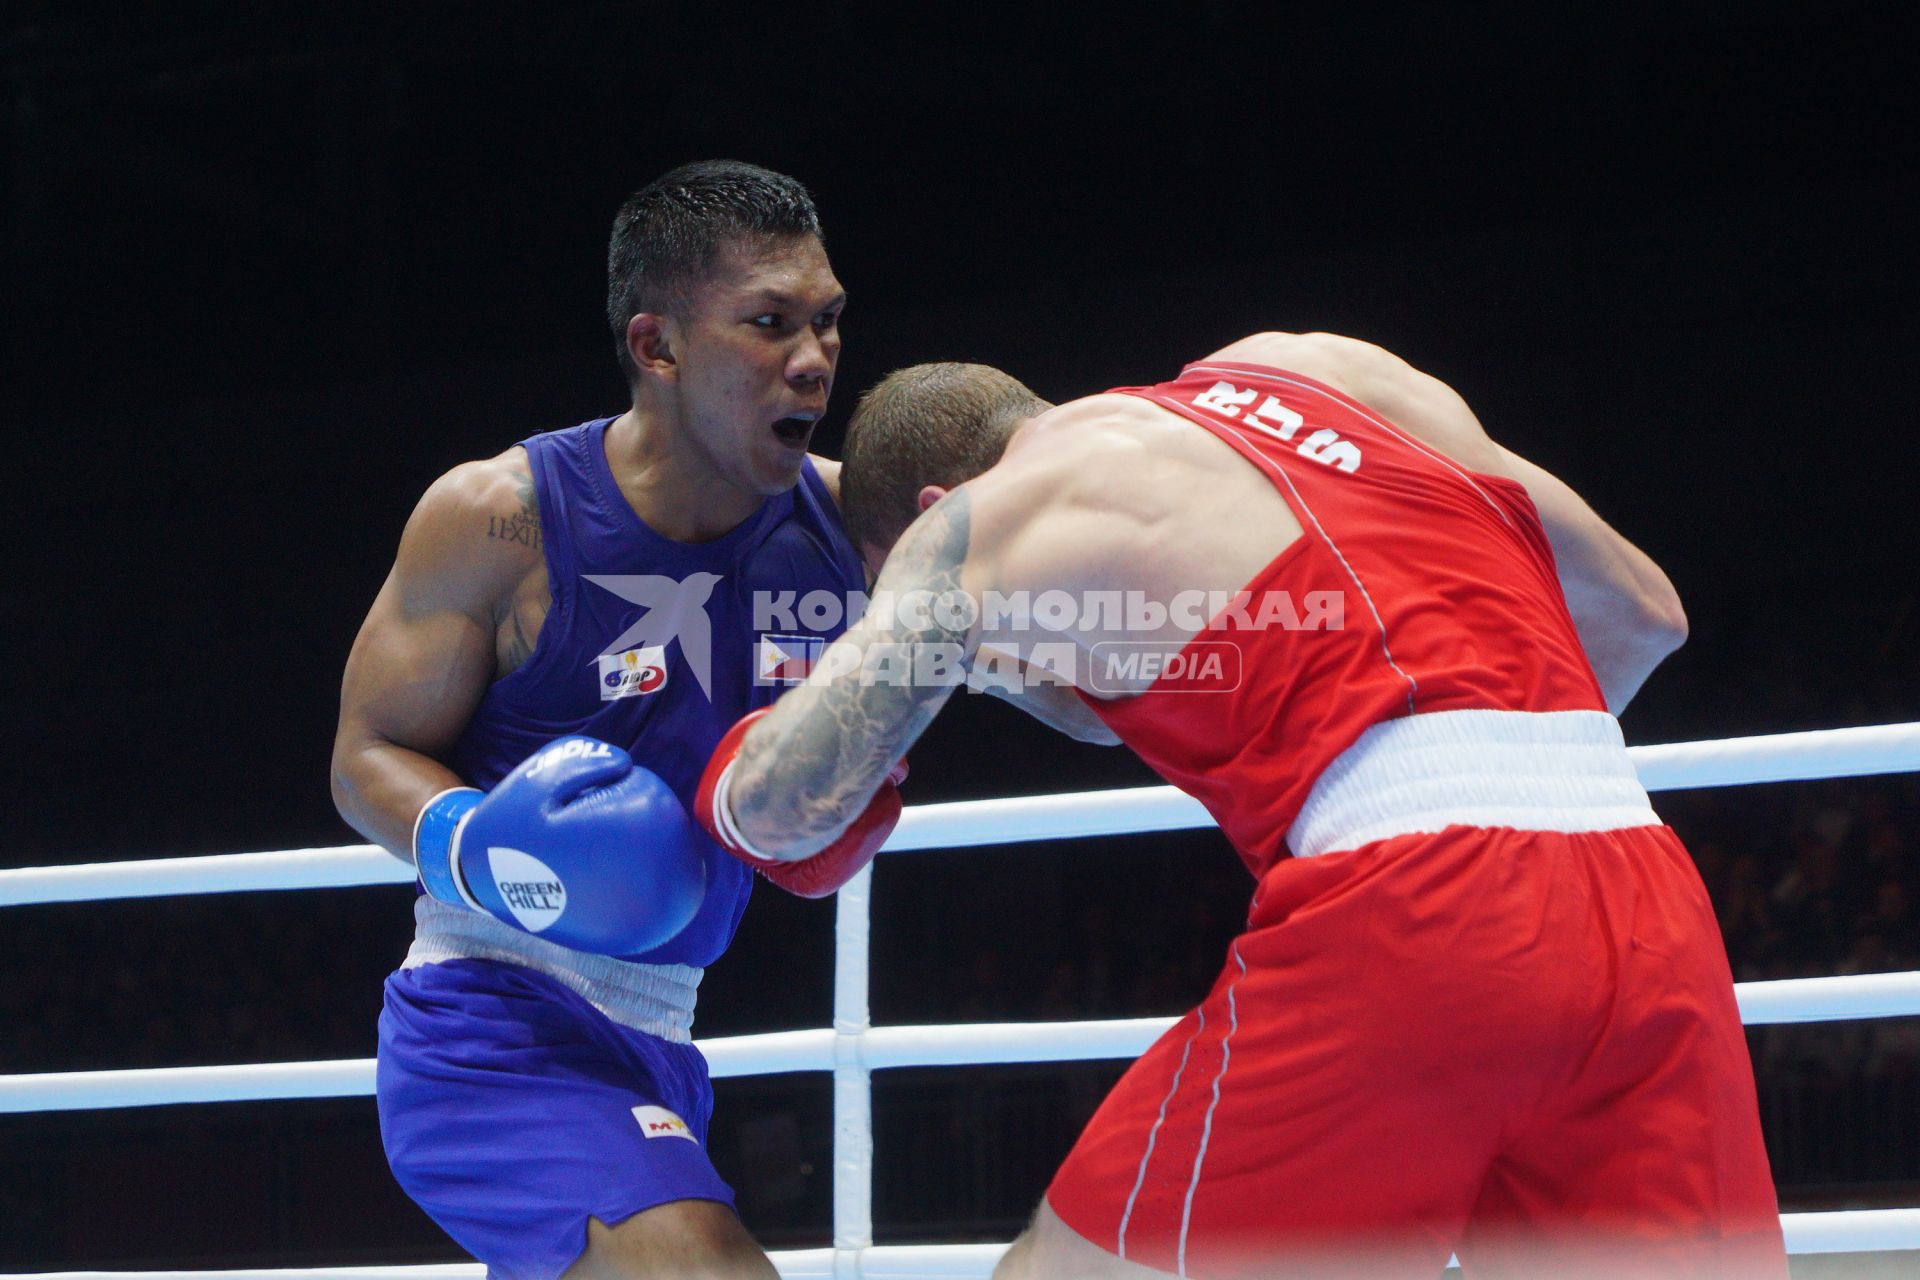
(576, 845)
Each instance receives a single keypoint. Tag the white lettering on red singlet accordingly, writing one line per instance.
(1273, 419)
(1276, 419)
(1326, 446)
(1224, 399)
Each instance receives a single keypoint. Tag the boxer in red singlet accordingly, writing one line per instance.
(1480, 1003)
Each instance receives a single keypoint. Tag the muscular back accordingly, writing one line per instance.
(1132, 498)
(1112, 492)
(1418, 403)
(1126, 497)
(1117, 495)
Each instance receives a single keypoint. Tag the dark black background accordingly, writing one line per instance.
(269, 273)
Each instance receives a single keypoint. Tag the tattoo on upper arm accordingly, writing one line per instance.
(522, 526)
(814, 763)
(519, 648)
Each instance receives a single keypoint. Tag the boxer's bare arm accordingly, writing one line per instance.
(1627, 613)
(431, 644)
(1047, 697)
(1625, 609)
(813, 763)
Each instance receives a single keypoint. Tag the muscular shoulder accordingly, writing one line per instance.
(1090, 470)
(475, 534)
(1415, 401)
(1109, 452)
(1066, 452)
(829, 472)
(1352, 365)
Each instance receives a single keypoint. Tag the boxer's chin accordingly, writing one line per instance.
(779, 469)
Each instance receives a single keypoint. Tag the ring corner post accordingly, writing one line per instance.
(852, 1082)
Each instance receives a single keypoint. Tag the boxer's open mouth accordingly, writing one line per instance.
(796, 429)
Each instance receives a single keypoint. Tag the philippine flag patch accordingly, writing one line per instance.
(786, 659)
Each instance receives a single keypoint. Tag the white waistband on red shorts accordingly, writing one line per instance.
(654, 998)
(1526, 770)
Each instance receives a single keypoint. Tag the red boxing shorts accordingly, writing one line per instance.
(1517, 1045)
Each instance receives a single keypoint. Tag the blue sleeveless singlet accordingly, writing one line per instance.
(652, 644)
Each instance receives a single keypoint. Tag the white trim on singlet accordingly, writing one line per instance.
(1347, 402)
(1564, 771)
(1206, 1127)
(1153, 1134)
(1413, 686)
(1386, 651)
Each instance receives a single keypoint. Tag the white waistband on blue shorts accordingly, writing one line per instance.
(1527, 770)
(654, 998)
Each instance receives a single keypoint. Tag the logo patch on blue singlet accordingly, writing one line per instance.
(633, 673)
(672, 609)
(658, 1122)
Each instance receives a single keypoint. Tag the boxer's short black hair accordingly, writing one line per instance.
(940, 424)
(666, 234)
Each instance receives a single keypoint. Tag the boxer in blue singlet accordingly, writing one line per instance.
(539, 1093)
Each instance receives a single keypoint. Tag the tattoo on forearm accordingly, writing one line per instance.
(812, 765)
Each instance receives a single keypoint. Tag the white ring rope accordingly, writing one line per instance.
(1868, 995)
(1782, 757)
(1840, 1231)
(852, 1048)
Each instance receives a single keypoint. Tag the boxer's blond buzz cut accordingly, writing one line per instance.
(927, 424)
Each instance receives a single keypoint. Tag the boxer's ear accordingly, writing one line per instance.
(650, 345)
(930, 495)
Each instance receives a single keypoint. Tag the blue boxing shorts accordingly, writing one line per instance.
(512, 1111)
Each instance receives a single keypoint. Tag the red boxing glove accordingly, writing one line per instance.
(822, 874)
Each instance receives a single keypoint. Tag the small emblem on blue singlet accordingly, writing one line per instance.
(674, 609)
(630, 674)
(786, 659)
